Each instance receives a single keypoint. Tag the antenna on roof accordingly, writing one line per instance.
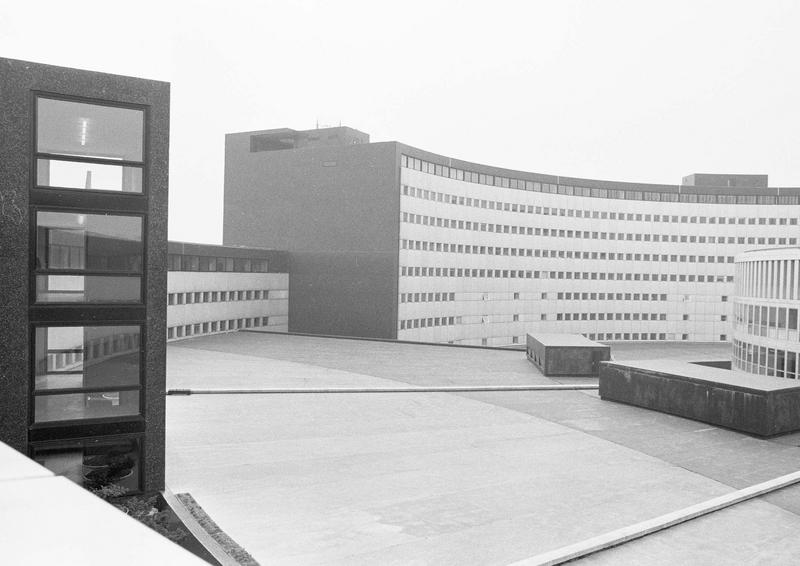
(317, 124)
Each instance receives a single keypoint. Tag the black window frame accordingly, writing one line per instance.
(97, 424)
(143, 165)
(35, 271)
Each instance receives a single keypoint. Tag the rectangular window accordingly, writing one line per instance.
(89, 146)
(53, 173)
(88, 258)
(86, 372)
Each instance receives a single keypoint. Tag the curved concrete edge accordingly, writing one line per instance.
(508, 348)
(211, 545)
(443, 389)
(639, 530)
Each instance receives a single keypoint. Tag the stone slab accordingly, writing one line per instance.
(760, 405)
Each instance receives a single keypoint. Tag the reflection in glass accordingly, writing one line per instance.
(86, 356)
(79, 406)
(96, 242)
(92, 176)
(88, 289)
(90, 130)
(94, 463)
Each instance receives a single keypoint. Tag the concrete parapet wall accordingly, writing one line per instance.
(754, 404)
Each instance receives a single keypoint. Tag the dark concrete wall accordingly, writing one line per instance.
(566, 360)
(15, 166)
(347, 294)
(18, 80)
(764, 413)
(336, 210)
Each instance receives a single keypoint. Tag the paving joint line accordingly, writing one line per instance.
(657, 524)
(442, 389)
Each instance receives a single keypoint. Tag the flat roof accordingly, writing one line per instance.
(571, 340)
(459, 478)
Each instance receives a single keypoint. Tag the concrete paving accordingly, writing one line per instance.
(307, 358)
(444, 478)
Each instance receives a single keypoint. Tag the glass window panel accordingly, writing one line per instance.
(88, 289)
(94, 463)
(79, 406)
(96, 242)
(90, 176)
(90, 356)
(66, 127)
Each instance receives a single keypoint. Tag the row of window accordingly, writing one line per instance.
(524, 185)
(411, 324)
(765, 360)
(609, 296)
(429, 322)
(89, 374)
(649, 336)
(769, 279)
(448, 198)
(620, 316)
(762, 320)
(217, 296)
(426, 297)
(424, 245)
(184, 331)
(561, 296)
(181, 262)
(425, 271)
(561, 316)
(439, 222)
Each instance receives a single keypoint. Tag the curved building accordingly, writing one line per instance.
(389, 241)
(767, 299)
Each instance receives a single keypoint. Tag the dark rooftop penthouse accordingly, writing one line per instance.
(287, 138)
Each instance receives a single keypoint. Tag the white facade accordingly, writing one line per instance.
(765, 336)
(212, 302)
(481, 264)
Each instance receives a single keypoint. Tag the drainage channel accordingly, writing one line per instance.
(410, 389)
(651, 526)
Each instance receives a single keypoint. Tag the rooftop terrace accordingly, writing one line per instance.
(455, 478)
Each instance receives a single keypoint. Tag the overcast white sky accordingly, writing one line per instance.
(641, 90)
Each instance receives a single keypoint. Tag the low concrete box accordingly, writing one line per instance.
(566, 354)
(756, 404)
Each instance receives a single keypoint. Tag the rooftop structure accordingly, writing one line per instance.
(728, 181)
(566, 354)
(766, 406)
(286, 138)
